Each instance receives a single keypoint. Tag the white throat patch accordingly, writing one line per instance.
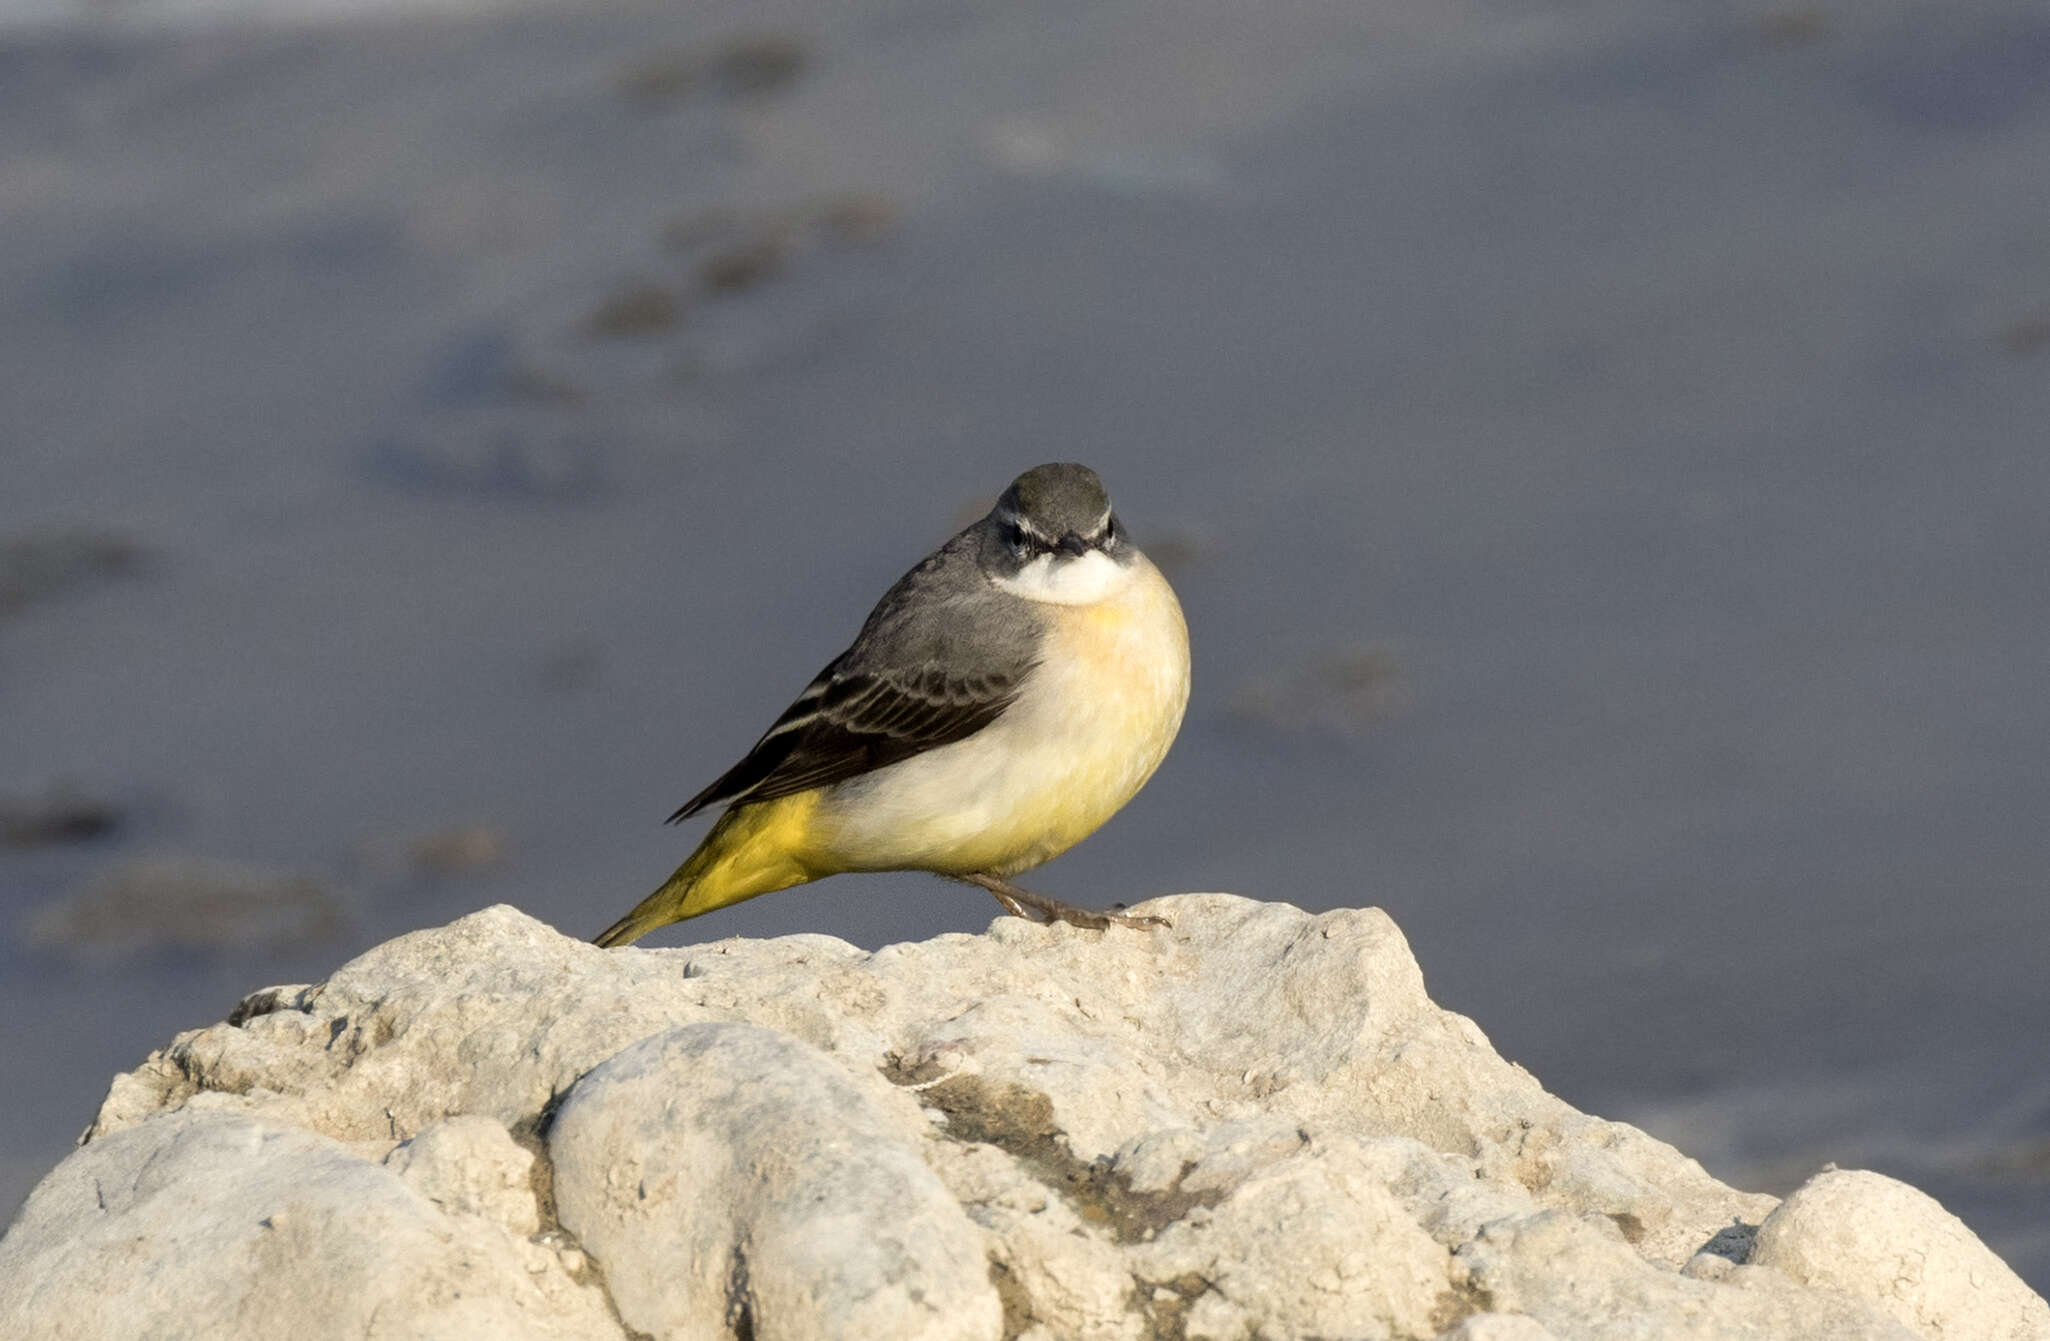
(1082, 579)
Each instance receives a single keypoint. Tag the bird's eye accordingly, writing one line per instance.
(1014, 538)
(1113, 534)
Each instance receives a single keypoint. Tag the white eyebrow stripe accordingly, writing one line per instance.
(1024, 524)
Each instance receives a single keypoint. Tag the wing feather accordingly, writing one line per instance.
(941, 657)
(846, 724)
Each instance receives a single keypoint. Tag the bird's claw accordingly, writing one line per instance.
(1046, 911)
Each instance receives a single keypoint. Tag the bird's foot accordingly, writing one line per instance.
(1039, 908)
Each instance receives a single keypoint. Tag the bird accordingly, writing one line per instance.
(1002, 701)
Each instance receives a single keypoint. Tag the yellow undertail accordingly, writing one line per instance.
(753, 849)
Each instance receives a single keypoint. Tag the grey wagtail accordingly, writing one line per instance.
(1003, 700)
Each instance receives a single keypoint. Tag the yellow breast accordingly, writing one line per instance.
(1094, 721)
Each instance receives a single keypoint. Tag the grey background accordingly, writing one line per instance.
(1600, 447)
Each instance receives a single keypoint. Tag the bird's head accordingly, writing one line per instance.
(1054, 537)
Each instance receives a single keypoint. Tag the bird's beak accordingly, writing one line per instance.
(1074, 545)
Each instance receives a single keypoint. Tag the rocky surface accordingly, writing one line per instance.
(1253, 1123)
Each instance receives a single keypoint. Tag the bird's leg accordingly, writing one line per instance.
(1039, 908)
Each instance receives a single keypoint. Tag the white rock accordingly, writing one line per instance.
(1313, 1245)
(1068, 1274)
(218, 1227)
(469, 1165)
(1870, 1236)
(733, 1180)
(1579, 1277)
(1252, 1123)
(1498, 1327)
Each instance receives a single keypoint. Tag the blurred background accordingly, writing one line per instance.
(1600, 445)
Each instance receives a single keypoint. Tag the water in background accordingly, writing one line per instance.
(1599, 447)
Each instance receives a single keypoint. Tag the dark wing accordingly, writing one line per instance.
(846, 724)
(941, 657)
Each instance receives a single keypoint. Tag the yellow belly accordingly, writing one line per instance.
(1095, 720)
